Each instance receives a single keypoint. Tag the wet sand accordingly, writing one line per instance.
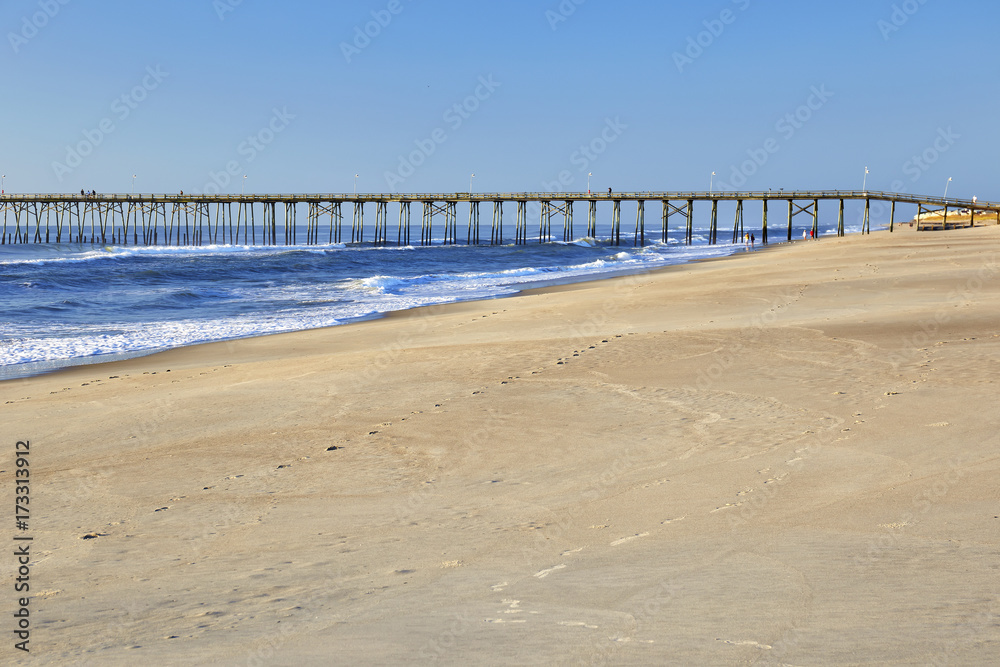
(784, 457)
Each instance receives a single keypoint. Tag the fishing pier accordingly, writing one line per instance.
(257, 219)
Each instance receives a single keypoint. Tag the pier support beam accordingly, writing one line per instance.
(815, 227)
(791, 204)
(521, 226)
(592, 218)
(291, 215)
(568, 221)
(763, 226)
(59, 222)
(312, 222)
(426, 224)
(38, 229)
(168, 237)
(472, 236)
(665, 221)
(866, 223)
(268, 224)
(403, 231)
(616, 223)
(689, 232)
(713, 231)
(241, 214)
(358, 226)
(496, 237)
(738, 223)
(840, 219)
(545, 223)
(337, 221)
(640, 225)
(450, 223)
(892, 216)
(381, 222)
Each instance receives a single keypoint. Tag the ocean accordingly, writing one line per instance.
(68, 304)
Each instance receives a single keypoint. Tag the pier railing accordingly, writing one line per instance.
(197, 219)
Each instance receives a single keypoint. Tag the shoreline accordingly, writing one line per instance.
(49, 367)
(558, 285)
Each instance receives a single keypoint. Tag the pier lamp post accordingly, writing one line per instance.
(947, 183)
(589, 174)
(864, 187)
(711, 184)
(3, 184)
(355, 184)
(133, 185)
(470, 183)
(243, 185)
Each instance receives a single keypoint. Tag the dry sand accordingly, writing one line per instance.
(786, 457)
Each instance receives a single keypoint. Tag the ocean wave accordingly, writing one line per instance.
(106, 253)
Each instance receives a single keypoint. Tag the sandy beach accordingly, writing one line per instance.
(783, 457)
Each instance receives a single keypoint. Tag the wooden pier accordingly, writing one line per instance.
(254, 220)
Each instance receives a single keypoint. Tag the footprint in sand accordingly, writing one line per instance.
(545, 573)
(725, 507)
(628, 539)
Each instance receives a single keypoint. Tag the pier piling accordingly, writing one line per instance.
(713, 231)
(763, 226)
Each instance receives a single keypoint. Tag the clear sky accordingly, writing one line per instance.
(530, 96)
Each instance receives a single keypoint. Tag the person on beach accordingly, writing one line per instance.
(753, 241)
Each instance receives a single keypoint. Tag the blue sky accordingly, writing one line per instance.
(193, 94)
